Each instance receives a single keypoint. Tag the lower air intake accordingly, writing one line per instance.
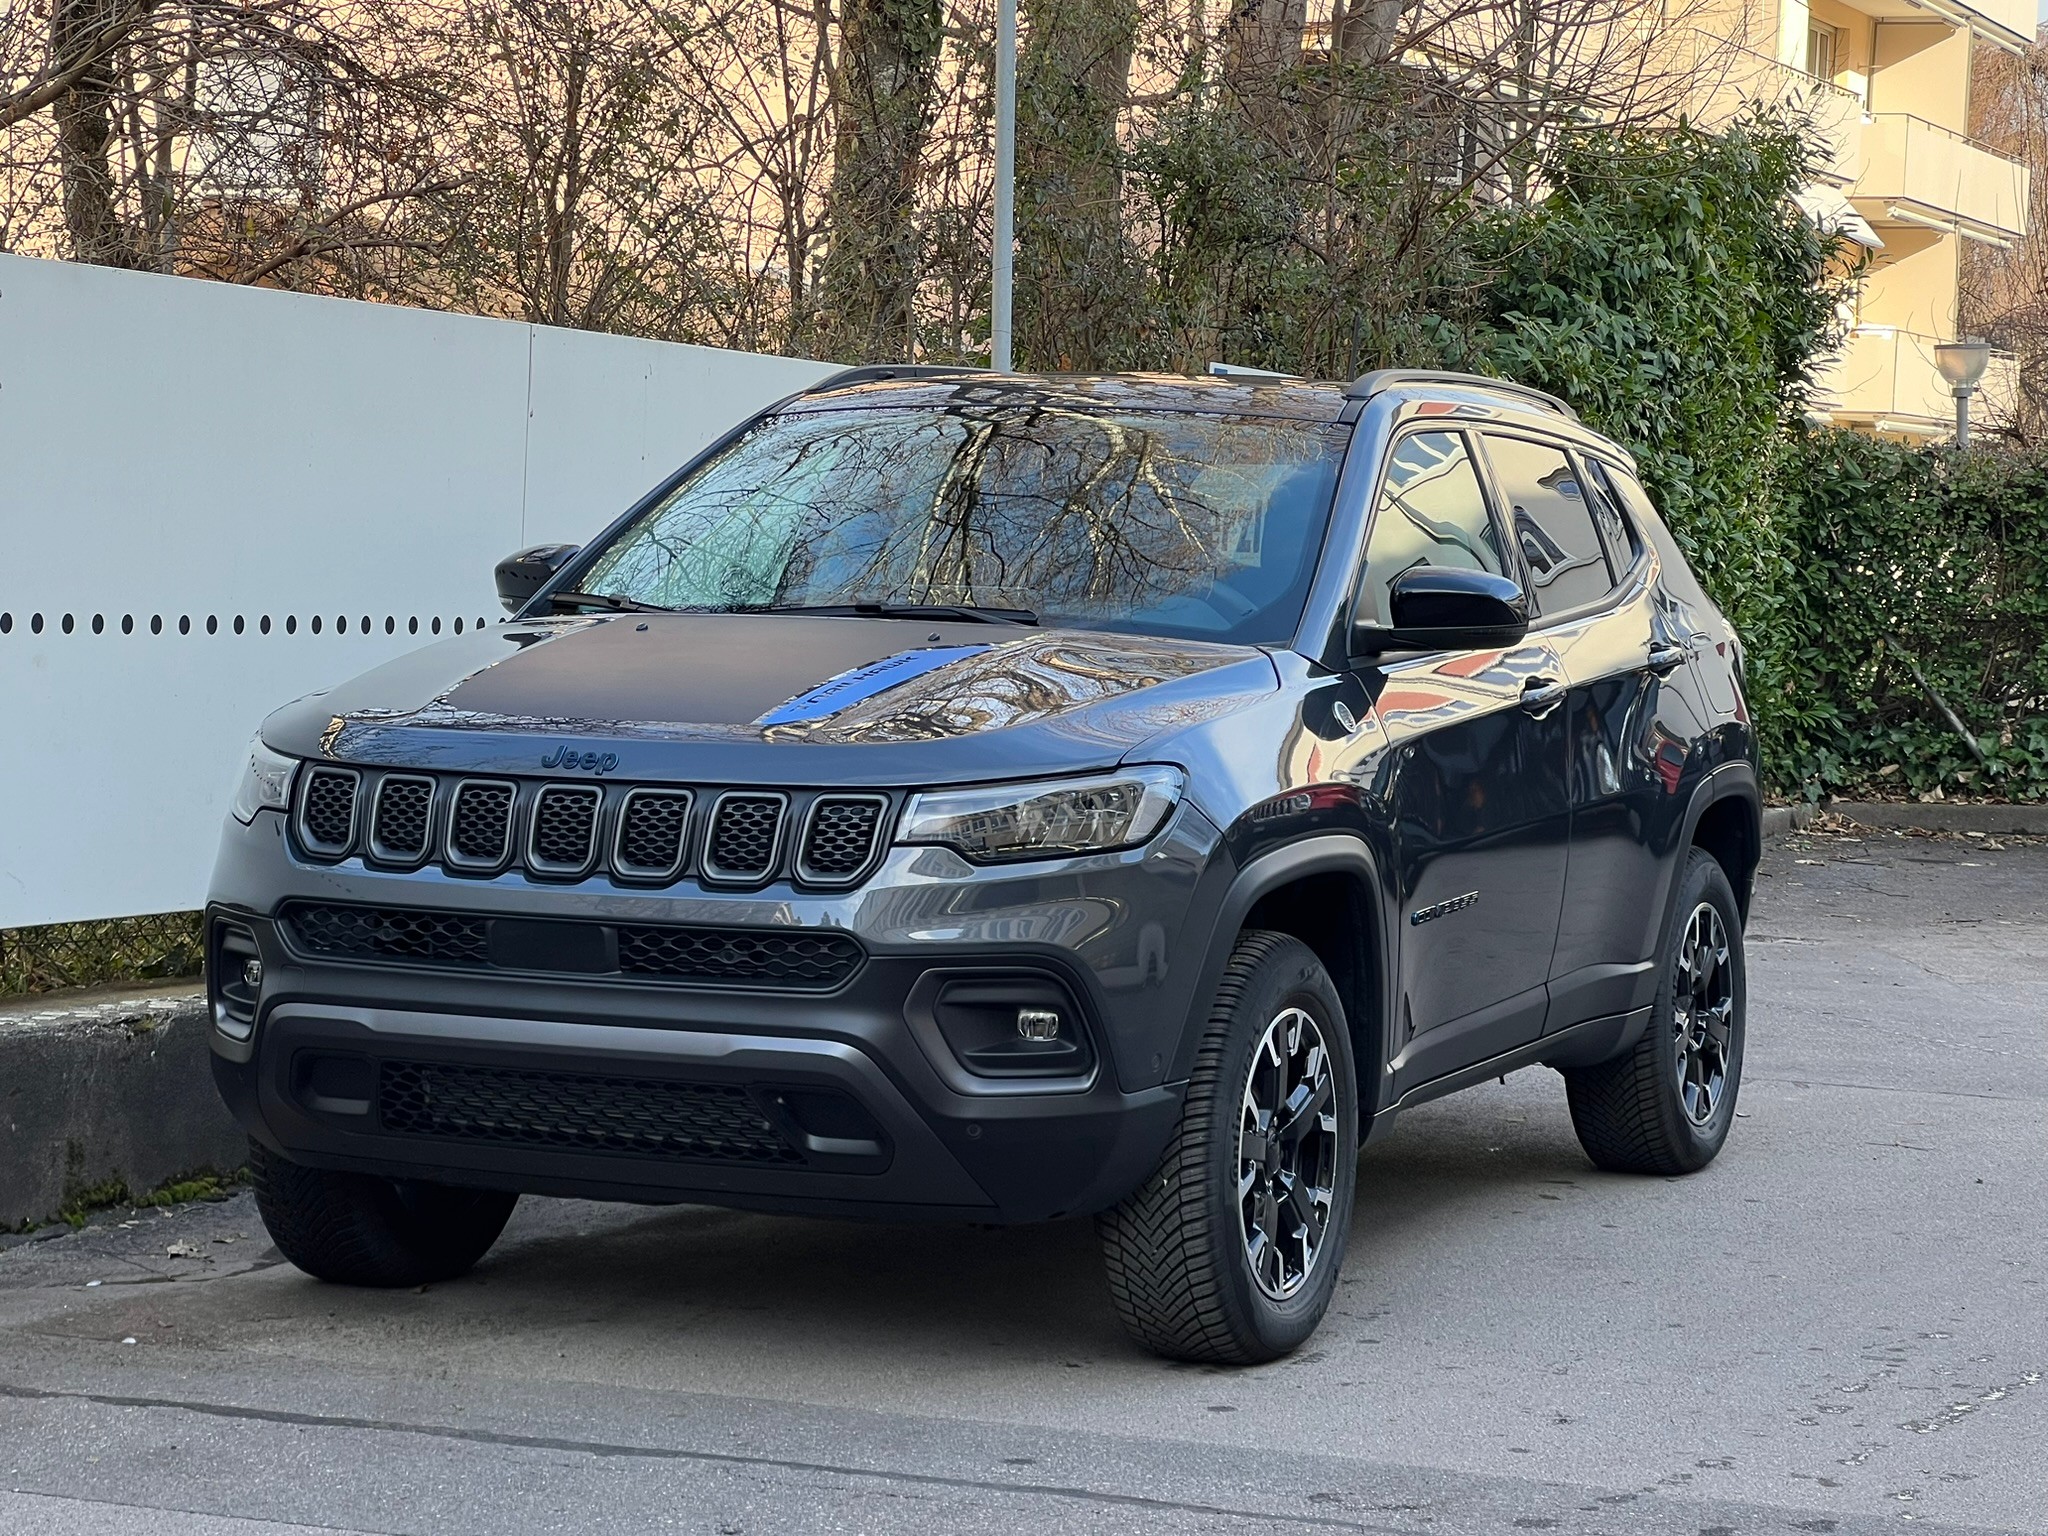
(694, 1122)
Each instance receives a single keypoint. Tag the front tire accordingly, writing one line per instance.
(1229, 1252)
(357, 1229)
(1667, 1105)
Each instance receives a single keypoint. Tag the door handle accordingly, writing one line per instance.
(1540, 695)
(1665, 656)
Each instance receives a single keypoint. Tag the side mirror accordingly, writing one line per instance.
(523, 574)
(1437, 608)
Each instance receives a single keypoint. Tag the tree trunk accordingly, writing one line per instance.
(84, 117)
(883, 105)
(1075, 270)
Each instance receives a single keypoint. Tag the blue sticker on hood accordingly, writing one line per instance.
(849, 688)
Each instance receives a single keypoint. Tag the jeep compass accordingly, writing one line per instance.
(1000, 799)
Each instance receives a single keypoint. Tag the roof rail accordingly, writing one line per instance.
(868, 372)
(1367, 385)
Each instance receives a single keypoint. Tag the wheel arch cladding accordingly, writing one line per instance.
(1730, 830)
(1332, 911)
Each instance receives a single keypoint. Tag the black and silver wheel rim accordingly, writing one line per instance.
(1287, 1154)
(1703, 1014)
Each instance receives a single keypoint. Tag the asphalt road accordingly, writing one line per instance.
(1842, 1326)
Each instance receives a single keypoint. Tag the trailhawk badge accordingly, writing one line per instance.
(1443, 908)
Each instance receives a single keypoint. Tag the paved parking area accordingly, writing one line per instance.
(1840, 1327)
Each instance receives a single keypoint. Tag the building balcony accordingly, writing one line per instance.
(1729, 78)
(1914, 172)
(2009, 23)
(1885, 380)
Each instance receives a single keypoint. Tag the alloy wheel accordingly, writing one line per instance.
(1287, 1153)
(1703, 1013)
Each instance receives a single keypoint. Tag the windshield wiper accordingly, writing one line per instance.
(606, 600)
(968, 613)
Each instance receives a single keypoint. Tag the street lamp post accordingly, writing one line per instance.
(1006, 186)
(1962, 363)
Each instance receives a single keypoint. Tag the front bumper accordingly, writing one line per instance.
(923, 1138)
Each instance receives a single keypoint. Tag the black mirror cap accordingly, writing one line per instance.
(1439, 608)
(523, 574)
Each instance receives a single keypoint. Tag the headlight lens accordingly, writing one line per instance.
(1045, 820)
(266, 783)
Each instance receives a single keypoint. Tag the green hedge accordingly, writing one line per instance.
(1895, 560)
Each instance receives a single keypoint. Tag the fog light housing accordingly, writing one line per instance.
(234, 978)
(1014, 1024)
(252, 975)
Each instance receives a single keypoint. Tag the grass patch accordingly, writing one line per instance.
(203, 1184)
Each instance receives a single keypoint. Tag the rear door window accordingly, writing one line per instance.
(1553, 524)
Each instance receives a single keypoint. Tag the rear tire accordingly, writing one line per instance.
(1229, 1252)
(357, 1229)
(1666, 1106)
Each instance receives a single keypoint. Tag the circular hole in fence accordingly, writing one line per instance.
(316, 623)
(184, 623)
(67, 623)
(35, 623)
(156, 623)
(213, 624)
(264, 624)
(99, 623)
(437, 626)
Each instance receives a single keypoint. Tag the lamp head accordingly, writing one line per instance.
(1962, 363)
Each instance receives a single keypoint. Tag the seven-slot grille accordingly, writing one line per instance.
(839, 838)
(564, 836)
(746, 836)
(642, 835)
(401, 818)
(480, 826)
(327, 809)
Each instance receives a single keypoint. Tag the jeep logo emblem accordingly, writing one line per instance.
(591, 762)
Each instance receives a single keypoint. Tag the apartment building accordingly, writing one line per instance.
(1888, 83)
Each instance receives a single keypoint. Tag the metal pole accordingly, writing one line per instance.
(1006, 185)
(1963, 417)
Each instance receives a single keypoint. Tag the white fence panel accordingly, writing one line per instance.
(216, 499)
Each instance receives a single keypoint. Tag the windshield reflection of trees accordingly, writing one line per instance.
(1040, 506)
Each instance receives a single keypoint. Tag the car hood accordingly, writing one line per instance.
(790, 699)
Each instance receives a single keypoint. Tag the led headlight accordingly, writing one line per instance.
(266, 783)
(1045, 820)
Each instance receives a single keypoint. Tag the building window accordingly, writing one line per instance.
(1823, 50)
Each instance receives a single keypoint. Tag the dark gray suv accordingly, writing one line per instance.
(998, 798)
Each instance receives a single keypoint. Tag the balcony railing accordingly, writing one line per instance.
(1887, 379)
(1731, 77)
(1922, 173)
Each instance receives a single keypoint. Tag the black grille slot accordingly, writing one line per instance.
(697, 1122)
(480, 825)
(390, 933)
(399, 817)
(651, 832)
(327, 810)
(564, 836)
(746, 831)
(809, 961)
(840, 837)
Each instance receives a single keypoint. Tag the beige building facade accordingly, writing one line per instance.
(1888, 83)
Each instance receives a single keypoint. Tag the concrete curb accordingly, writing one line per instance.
(1782, 820)
(1944, 816)
(104, 1086)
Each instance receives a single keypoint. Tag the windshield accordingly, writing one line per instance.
(1174, 524)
